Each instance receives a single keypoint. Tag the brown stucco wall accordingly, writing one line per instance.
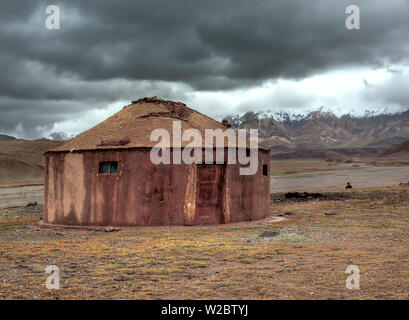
(248, 197)
(141, 193)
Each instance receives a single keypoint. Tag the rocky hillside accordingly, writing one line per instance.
(397, 152)
(319, 129)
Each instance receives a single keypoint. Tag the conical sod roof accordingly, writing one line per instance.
(131, 127)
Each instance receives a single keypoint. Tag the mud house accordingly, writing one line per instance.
(105, 175)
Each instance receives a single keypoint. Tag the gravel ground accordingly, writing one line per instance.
(365, 177)
(30, 210)
(20, 196)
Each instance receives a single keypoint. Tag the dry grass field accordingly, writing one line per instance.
(306, 259)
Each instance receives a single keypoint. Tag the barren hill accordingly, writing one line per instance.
(397, 152)
(21, 161)
(6, 137)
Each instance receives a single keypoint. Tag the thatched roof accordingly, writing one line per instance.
(131, 127)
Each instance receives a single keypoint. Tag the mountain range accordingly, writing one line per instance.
(317, 134)
(320, 134)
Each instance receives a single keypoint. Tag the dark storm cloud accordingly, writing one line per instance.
(393, 91)
(195, 42)
(157, 46)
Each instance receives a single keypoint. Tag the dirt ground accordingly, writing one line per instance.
(300, 252)
(360, 176)
(20, 196)
(304, 255)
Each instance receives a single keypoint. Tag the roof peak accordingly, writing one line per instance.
(154, 99)
(174, 109)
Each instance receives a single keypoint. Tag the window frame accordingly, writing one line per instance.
(110, 165)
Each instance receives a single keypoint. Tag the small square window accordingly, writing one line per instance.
(108, 167)
(265, 170)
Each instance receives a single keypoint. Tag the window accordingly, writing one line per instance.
(265, 170)
(108, 167)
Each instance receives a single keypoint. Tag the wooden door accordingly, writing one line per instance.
(209, 195)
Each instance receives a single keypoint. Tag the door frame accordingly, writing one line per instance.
(222, 191)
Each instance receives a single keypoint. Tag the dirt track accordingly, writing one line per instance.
(365, 177)
(20, 196)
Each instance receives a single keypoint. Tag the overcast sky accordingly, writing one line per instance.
(220, 57)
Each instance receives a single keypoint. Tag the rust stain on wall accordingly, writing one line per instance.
(227, 196)
(190, 197)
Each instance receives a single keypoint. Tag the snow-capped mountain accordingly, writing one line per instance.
(325, 128)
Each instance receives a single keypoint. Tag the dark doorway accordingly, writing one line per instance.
(209, 194)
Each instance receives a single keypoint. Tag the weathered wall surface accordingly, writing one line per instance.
(247, 197)
(141, 193)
